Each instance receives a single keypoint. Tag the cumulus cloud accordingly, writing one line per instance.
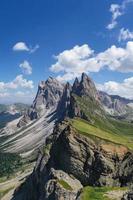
(18, 82)
(73, 62)
(26, 67)
(19, 96)
(17, 90)
(124, 89)
(125, 34)
(22, 46)
(116, 11)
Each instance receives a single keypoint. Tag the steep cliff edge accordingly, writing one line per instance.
(70, 160)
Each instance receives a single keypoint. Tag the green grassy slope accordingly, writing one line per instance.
(98, 193)
(122, 134)
(100, 124)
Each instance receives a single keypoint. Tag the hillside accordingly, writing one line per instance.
(121, 133)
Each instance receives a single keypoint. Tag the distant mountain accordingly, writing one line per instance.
(14, 108)
(11, 112)
(117, 106)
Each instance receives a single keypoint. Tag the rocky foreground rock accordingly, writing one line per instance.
(70, 161)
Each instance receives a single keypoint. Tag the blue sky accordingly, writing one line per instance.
(79, 33)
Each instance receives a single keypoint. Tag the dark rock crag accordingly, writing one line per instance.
(70, 161)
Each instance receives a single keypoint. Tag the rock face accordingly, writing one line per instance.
(48, 95)
(87, 87)
(65, 101)
(70, 161)
(116, 105)
(75, 95)
(128, 195)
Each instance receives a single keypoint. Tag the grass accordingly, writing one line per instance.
(46, 149)
(65, 185)
(4, 192)
(97, 193)
(121, 137)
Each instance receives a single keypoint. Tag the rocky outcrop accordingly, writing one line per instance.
(62, 186)
(63, 108)
(48, 95)
(79, 98)
(70, 161)
(89, 161)
(87, 87)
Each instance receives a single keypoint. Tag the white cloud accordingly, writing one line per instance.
(125, 34)
(67, 77)
(78, 53)
(124, 89)
(73, 62)
(117, 10)
(2, 86)
(4, 94)
(32, 50)
(26, 67)
(19, 96)
(18, 82)
(17, 90)
(22, 46)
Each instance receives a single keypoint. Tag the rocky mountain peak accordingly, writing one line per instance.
(76, 82)
(64, 103)
(87, 87)
(48, 96)
(75, 85)
(84, 77)
(41, 85)
(49, 93)
(51, 80)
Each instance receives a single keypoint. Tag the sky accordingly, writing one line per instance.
(63, 38)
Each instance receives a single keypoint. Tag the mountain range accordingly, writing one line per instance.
(82, 138)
